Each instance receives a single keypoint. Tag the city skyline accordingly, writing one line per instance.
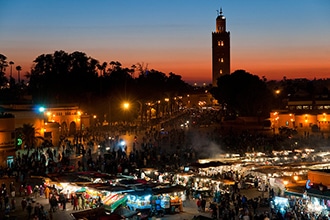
(274, 39)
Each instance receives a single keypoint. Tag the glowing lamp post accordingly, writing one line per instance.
(125, 105)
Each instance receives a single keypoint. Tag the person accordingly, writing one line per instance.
(23, 203)
(22, 190)
(213, 207)
(47, 191)
(75, 203)
(29, 209)
(7, 211)
(53, 203)
(13, 204)
(63, 201)
(183, 199)
(203, 204)
(80, 203)
(12, 189)
(36, 191)
(198, 203)
(255, 205)
(29, 189)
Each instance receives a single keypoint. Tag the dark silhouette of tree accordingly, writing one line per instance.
(244, 94)
(3, 65)
(102, 67)
(11, 63)
(29, 136)
(63, 77)
(19, 69)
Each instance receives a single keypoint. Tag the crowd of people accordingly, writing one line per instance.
(168, 146)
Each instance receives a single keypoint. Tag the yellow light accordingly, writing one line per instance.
(48, 113)
(125, 105)
(285, 182)
(295, 178)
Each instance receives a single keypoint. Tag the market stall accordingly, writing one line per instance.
(113, 200)
(170, 197)
(139, 200)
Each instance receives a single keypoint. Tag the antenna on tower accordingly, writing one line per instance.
(220, 10)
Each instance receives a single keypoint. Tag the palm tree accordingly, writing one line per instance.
(102, 68)
(11, 63)
(3, 65)
(18, 68)
(29, 138)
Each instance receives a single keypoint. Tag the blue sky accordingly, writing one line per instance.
(272, 38)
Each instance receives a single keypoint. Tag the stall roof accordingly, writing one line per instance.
(168, 189)
(114, 188)
(209, 164)
(95, 213)
(318, 193)
(295, 190)
(96, 175)
(130, 182)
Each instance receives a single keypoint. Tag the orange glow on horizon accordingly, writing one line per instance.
(193, 69)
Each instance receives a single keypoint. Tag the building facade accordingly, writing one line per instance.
(50, 123)
(7, 139)
(220, 49)
(304, 116)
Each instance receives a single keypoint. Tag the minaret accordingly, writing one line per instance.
(220, 49)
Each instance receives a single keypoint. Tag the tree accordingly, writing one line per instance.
(244, 94)
(19, 69)
(11, 63)
(29, 138)
(102, 67)
(76, 73)
(3, 65)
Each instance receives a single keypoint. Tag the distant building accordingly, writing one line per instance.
(50, 123)
(304, 115)
(7, 139)
(220, 49)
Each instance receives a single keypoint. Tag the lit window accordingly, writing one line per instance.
(220, 43)
(221, 60)
(220, 71)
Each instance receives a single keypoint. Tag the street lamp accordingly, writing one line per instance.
(125, 105)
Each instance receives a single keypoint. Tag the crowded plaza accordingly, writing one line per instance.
(167, 171)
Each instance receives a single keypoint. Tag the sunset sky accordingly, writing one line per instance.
(271, 38)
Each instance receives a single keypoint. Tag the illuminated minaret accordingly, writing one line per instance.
(220, 49)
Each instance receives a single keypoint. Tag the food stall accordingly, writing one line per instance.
(113, 200)
(139, 200)
(201, 187)
(171, 197)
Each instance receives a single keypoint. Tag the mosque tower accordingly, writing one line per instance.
(220, 49)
